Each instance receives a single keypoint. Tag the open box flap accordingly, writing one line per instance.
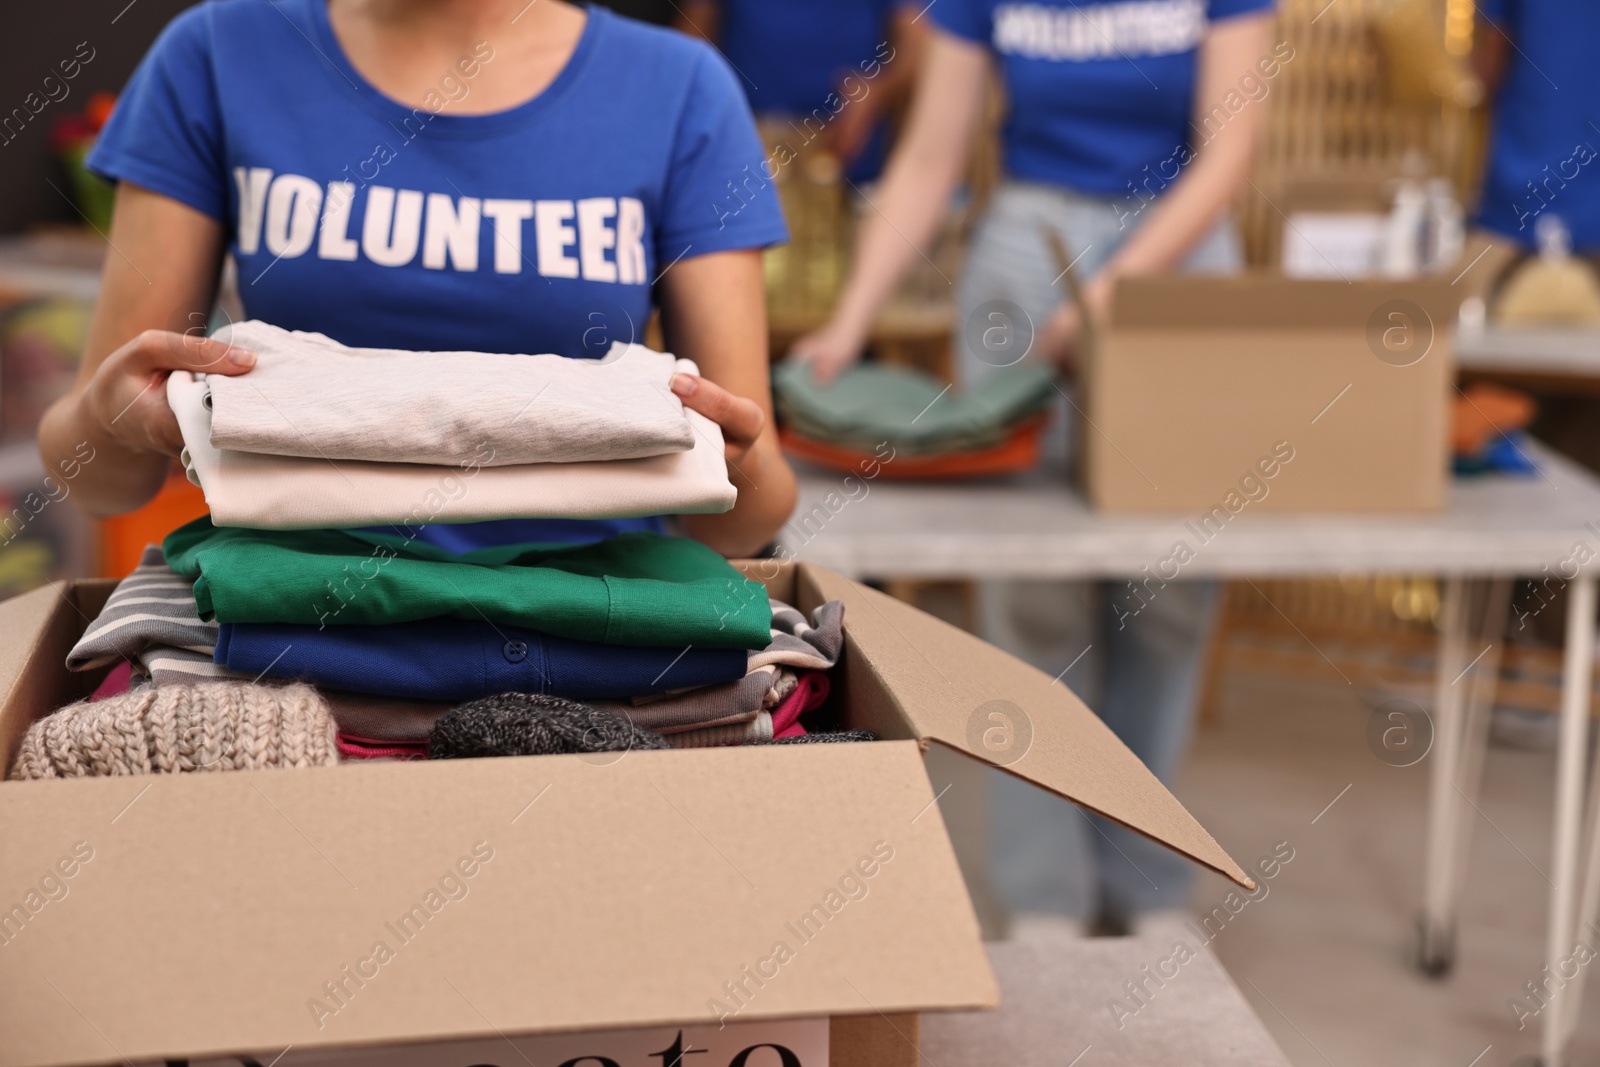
(958, 690)
(217, 908)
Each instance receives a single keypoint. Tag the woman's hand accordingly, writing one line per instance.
(829, 350)
(853, 126)
(741, 420)
(1062, 339)
(127, 397)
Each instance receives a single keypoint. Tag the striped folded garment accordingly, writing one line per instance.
(151, 621)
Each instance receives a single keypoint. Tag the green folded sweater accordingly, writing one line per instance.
(910, 409)
(631, 589)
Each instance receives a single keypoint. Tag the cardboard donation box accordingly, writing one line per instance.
(774, 906)
(1271, 394)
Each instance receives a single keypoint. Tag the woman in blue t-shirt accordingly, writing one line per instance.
(1130, 130)
(1544, 146)
(833, 69)
(491, 175)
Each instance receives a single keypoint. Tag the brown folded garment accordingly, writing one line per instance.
(385, 719)
(709, 705)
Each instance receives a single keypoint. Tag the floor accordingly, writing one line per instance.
(1325, 956)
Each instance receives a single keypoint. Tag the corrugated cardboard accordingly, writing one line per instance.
(1200, 383)
(218, 910)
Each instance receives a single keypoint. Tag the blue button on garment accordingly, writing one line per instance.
(461, 659)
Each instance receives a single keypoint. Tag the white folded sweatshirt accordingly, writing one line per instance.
(310, 396)
(292, 492)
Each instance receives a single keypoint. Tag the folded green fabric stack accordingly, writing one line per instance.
(871, 404)
(633, 589)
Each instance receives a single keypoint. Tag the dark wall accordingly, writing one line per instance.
(36, 38)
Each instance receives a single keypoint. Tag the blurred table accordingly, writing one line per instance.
(1039, 526)
(1561, 361)
(1495, 529)
(1053, 1011)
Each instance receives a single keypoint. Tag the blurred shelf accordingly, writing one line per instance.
(20, 466)
(51, 263)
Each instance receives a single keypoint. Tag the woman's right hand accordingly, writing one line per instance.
(127, 397)
(829, 350)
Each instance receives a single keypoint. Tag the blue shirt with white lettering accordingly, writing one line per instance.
(1102, 95)
(541, 228)
(1544, 149)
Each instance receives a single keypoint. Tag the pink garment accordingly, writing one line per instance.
(362, 748)
(811, 689)
(116, 682)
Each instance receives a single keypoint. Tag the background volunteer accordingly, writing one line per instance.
(1099, 147)
(1544, 148)
(430, 174)
(845, 64)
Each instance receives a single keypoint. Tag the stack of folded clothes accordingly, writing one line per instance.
(870, 413)
(306, 622)
(660, 632)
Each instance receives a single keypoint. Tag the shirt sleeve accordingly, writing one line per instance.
(971, 20)
(719, 194)
(1217, 10)
(165, 133)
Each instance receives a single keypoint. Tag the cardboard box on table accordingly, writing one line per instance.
(1198, 385)
(634, 891)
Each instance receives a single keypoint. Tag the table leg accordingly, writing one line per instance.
(1489, 637)
(1436, 947)
(1588, 908)
(1576, 670)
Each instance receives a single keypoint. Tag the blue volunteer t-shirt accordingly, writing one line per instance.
(541, 228)
(1097, 91)
(793, 57)
(1544, 149)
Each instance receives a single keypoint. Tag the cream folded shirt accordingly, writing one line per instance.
(292, 493)
(309, 395)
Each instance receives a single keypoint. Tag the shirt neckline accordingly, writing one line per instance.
(352, 81)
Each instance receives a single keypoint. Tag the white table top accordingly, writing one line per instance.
(1037, 527)
(1574, 353)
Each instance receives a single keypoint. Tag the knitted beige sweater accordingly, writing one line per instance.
(214, 726)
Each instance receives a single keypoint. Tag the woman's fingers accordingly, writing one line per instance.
(128, 394)
(157, 350)
(741, 419)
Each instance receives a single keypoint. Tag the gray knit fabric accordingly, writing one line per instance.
(532, 724)
(837, 737)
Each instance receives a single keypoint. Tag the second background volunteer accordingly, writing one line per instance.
(1105, 144)
(843, 64)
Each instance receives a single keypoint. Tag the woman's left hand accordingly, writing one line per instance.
(853, 125)
(742, 420)
(1061, 340)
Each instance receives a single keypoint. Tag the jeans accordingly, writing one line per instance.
(1139, 670)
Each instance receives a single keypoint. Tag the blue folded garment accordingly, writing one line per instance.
(450, 659)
